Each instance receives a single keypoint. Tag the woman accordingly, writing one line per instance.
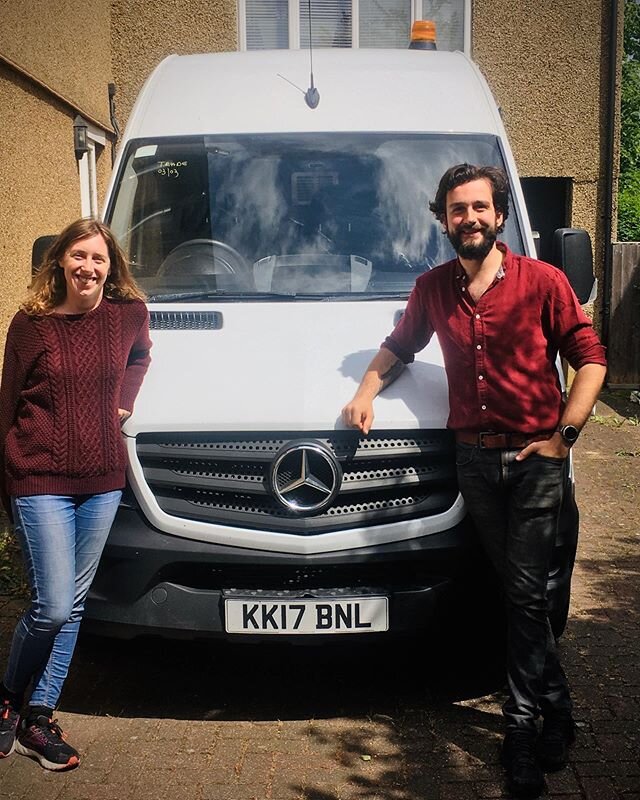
(75, 357)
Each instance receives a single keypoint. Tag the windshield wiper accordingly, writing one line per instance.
(210, 294)
(265, 296)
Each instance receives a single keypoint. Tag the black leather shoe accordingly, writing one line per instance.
(524, 775)
(558, 734)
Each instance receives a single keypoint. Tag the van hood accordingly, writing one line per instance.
(286, 366)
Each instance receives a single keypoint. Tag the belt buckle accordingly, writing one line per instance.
(481, 436)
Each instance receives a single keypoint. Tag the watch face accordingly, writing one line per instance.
(570, 433)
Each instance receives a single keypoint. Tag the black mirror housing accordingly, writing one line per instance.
(40, 247)
(572, 253)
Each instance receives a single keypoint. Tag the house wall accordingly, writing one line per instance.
(547, 65)
(55, 62)
(145, 33)
(65, 44)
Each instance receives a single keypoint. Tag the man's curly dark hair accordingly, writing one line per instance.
(463, 173)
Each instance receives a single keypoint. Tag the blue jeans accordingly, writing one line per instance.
(515, 506)
(62, 539)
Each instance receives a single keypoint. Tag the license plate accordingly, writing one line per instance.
(307, 616)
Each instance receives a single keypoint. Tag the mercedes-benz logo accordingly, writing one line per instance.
(305, 477)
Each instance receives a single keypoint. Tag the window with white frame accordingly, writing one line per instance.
(96, 141)
(273, 24)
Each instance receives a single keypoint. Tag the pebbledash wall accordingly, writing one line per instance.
(54, 64)
(546, 62)
(548, 66)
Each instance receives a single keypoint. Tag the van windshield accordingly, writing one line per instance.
(300, 215)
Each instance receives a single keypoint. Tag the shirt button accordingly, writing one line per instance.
(480, 377)
(477, 316)
(478, 347)
(463, 289)
(484, 408)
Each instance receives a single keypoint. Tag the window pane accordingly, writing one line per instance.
(330, 23)
(267, 24)
(385, 23)
(449, 18)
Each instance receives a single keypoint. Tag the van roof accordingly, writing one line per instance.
(360, 90)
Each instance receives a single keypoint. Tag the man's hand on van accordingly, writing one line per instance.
(383, 370)
(358, 414)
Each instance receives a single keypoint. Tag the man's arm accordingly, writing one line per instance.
(584, 392)
(383, 370)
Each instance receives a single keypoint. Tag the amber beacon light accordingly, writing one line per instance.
(423, 35)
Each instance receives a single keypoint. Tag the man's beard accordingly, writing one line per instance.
(475, 251)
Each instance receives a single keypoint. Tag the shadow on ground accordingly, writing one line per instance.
(224, 681)
(619, 400)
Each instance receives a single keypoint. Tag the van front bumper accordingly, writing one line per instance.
(150, 582)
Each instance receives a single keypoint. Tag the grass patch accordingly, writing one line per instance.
(613, 420)
(12, 579)
(609, 420)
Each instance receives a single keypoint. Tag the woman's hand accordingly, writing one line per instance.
(124, 415)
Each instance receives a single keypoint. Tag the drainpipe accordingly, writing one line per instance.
(609, 169)
(114, 122)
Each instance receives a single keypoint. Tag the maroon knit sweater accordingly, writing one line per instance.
(63, 379)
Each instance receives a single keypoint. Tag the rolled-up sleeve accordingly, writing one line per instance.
(573, 331)
(413, 331)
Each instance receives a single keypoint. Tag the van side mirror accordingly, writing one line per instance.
(40, 247)
(571, 253)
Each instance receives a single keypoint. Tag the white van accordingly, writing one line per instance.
(278, 245)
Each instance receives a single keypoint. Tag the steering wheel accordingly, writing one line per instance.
(206, 257)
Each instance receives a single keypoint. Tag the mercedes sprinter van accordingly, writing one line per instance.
(277, 243)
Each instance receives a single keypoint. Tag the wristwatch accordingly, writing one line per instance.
(569, 434)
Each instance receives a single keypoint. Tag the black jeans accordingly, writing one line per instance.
(515, 506)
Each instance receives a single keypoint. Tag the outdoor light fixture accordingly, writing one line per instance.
(80, 142)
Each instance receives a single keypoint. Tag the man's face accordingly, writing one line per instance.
(471, 219)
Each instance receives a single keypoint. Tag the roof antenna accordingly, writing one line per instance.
(312, 95)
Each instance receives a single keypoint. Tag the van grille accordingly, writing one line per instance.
(225, 478)
(185, 320)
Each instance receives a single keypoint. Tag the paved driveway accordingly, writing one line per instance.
(158, 720)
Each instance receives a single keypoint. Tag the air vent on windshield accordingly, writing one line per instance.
(185, 320)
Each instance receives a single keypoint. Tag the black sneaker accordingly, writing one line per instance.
(524, 776)
(42, 738)
(8, 726)
(558, 734)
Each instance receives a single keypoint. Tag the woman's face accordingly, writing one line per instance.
(86, 266)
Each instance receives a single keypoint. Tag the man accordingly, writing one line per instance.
(501, 320)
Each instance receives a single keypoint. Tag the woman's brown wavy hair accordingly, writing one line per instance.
(49, 288)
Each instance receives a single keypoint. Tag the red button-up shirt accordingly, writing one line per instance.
(500, 353)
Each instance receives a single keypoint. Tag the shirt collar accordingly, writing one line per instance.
(461, 275)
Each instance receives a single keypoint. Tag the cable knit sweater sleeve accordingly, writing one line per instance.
(14, 374)
(137, 362)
